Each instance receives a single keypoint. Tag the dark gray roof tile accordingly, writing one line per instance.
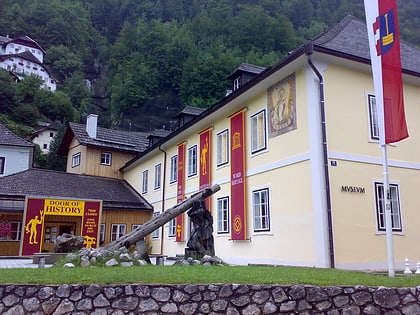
(9, 138)
(114, 193)
(350, 36)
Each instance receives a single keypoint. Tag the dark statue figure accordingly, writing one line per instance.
(201, 240)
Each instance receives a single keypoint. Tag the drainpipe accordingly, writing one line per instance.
(309, 50)
(163, 196)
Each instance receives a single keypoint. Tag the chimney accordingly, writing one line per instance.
(91, 125)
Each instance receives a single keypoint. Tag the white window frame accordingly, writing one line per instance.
(15, 229)
(2, 164)
(172, 228)
(155, 233)
(236, 83)
(158, 176)
(261, 210)
(396, 219)
(258, 132)
(135, 226)
(102, 233)
(117, 231)
(106, 158)
(222, 145)
(145, 182)
(76, 159)
(223, 215)
(373, 118)
(173, 175)
(192, 161)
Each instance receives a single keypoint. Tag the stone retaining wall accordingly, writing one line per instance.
(207, 299)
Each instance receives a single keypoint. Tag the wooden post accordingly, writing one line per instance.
(139, 233)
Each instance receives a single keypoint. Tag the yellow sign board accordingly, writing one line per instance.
(64, 207)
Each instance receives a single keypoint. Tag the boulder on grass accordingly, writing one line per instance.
(68, 243)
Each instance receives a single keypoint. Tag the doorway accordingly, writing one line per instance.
(54, 229)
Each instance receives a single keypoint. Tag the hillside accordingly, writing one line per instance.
(144, 60)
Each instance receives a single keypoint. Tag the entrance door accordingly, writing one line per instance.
(54, 229)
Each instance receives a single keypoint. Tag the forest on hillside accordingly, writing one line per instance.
(137, 63)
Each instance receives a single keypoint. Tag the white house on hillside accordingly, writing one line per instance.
(23, 56)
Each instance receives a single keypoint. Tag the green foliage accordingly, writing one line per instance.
(134, 52)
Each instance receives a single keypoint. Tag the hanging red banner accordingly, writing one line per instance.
(180, 191)
(237, 180)
(205, 162)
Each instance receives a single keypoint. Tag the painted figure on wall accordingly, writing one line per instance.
(281, 99)
(32, 227)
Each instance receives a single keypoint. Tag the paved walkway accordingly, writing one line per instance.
(18, 263)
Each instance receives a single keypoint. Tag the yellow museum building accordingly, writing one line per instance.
(295, 150)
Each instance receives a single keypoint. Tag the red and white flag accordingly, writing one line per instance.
(384, 43)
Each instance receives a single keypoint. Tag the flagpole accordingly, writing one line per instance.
(388, 219)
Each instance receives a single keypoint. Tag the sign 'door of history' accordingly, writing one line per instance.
(38, 210)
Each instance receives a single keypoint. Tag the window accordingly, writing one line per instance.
(155, 233)
(106, 158)
(75, 160)
(223, 215)
(11, 231)
(222, 147)
(395, 207)
(45, 146)
(192, 161)
(117, 230)
(158, 169)
(145, 182)
(135, 226)
(51, 134)
(102, 234)
(172, 228)
(2, 163)
(373, 118)
(258, 132)
(173, 176)
(236, 83)
(261, 211)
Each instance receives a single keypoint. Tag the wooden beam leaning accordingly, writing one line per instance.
(142, 231)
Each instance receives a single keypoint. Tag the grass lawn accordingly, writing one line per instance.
(153, 274)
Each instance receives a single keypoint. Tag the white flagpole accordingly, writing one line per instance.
(387, 214)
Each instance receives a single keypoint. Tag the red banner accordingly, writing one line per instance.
(36, 215)
(205, 162)
(180, 191)
(91, 222)
(382, 21)
(237, 180)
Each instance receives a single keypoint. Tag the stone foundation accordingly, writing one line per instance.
(207, 299)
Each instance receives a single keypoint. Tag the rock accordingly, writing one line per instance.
(68, 243)
(68, 265)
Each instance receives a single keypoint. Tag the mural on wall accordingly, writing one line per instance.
(281, 100)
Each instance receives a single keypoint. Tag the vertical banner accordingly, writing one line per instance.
(36, 214)
(384, 44)
(237, 180)
(180, 191)
(205, 162)
(91, 222)
(33, 226)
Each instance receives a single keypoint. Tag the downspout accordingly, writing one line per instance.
(309, 50)
(163, 196)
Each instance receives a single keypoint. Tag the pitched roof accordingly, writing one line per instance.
(350, 37)
(10, 139)
(246, 67)
(191, 110)
(48, 126)
(115, 193)
(111, 139)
